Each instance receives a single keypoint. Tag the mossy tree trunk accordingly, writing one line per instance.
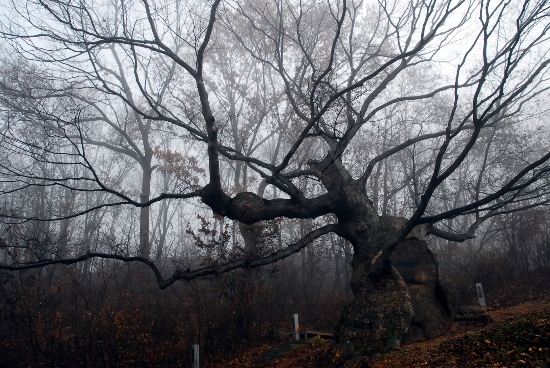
(398, 299)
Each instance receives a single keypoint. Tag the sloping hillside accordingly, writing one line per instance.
(518, 336)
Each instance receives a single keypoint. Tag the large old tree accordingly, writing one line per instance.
(326, 93)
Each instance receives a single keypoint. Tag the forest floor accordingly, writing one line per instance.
(518, 336)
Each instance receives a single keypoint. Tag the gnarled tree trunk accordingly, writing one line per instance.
(395, 304)
(404, 304)
(418, 267)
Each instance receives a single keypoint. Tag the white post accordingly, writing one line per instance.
(195, 362)
(480, 295)
(295, 327)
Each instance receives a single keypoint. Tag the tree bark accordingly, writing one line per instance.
(144, 214)
(379, 318)
(400, 303)
(419, 268)
(406, 304)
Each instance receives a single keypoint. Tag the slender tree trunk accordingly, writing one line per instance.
(65, 207)
(163, 231)
(303, 260)
(337, 267)
(348, 258)
(144, 243)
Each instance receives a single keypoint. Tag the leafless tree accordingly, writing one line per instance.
(455, 70)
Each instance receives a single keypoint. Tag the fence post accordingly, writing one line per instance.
(195, 361)
(295, 326)
(480, 295)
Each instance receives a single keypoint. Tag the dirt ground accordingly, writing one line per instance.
(516, 336)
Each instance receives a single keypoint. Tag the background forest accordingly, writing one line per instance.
(135, 135)
(104, 313)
